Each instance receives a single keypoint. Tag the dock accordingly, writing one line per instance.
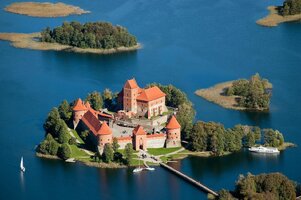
(189, 179)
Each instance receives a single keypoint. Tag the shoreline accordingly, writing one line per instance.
(273, 18)
(44, 9)
(177, 157)
(215, 95)
(31, 41)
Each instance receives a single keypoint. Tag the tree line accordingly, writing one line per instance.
(254, 93)
(100, 35)
(261, 187)
(291, 7)
(214, 137)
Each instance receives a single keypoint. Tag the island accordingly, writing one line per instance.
(97, 37)
(37, 9)
(253, 94)
(262, 186)
(288, 12)
(136, 126)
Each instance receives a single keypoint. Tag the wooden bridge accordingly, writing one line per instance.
(190, 180)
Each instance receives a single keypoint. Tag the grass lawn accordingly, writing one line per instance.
(162, 151)
(76, 152)
(77, 136)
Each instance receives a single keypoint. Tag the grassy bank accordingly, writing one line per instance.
(32, 41)
(273, 18)
(36, 9)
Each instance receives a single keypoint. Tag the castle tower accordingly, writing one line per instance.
(79, 109)
(173, 131)
(130, 93)
(104, 136)
(139, 138)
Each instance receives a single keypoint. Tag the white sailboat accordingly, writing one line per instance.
(21, 165)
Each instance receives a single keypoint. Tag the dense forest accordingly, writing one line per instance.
(291, 7)
(253, 93)
(100, 35)
(261, 187)
(211, 136)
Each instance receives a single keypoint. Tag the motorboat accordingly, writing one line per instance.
(262, 149)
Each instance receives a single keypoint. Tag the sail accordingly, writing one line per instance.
(21, 164)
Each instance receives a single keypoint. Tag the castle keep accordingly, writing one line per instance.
(137, 102)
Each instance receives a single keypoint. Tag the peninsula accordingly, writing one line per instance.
(140, 124)
(253, 94)
(75, 37)
(288, 12)
(37, 9)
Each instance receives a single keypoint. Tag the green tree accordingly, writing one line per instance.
(249, 139)
(95, 100)
(53, 147)
(64, 151)
(72, 141)
(108, 153)
(115, 144)
(224, 195)
(43, 147)
(273, 138)
(198, 137)
(51, 123)
(63, 133)
(291, 7)
(65, 111)
(128, 153)
(185, 117)
(245, 186)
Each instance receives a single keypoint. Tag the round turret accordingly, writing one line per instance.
(173, 131)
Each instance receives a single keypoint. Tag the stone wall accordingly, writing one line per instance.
(156, 141)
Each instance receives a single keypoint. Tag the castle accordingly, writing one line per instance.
(140, 102)
(137, 102)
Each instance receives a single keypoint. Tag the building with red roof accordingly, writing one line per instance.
(142, 102)
(136, 102)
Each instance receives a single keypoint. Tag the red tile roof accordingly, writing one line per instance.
(92, 122)
(139, 130)
(151, 94)
(104, 129)
(131, 84)
(173, 123)
(79, 105)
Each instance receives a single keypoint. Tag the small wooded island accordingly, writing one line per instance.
(253, 94)
(37, 9)
(114, 129)
(91, 37)
(261, 187)
(288, 12)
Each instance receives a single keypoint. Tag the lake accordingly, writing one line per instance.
(191, 44)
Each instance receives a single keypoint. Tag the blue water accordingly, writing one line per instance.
(191, 44)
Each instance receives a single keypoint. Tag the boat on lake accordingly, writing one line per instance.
(261, 149)
(150, 168)
(21, 165)
(138, 169)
